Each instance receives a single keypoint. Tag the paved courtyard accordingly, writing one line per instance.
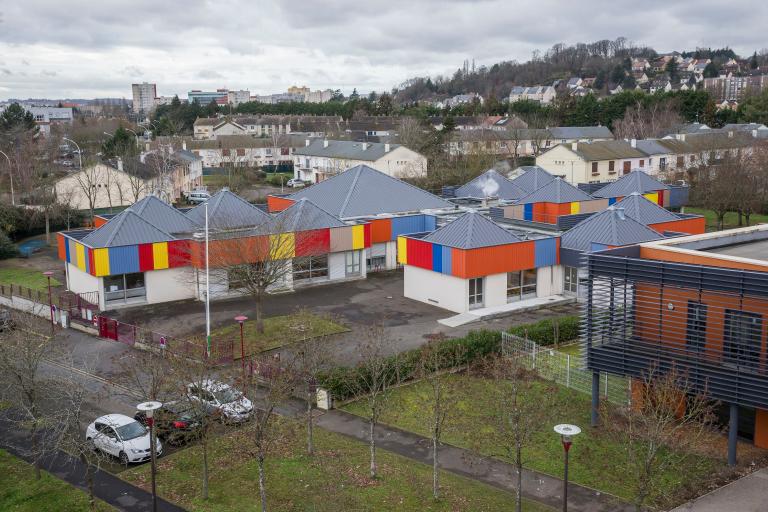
(356, 304)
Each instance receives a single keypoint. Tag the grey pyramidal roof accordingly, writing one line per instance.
(162, 215)
(347, 149)
(532, 178)
(361, 191)
(644, 210)
(304, 215)
(635, 181)
(126, 228)
(228, 211)
(610, 227)
(471, 231)
(491, 184)
(556, 191)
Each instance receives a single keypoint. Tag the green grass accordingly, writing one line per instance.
(216, 180)
(21, 492)
(335, 479)
(573, 350)
(596, 460)
(731, 219)
(25, 277)
(278, 331)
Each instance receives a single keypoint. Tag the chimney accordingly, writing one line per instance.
(364, 146)
(325, 143)
(754, 133)
(386, 146)
(306, 142)
(633, 143)
(730, 134)
(680, 136)
(119, 164)
(575, 146)
(184, 144)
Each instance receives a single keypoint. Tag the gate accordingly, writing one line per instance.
(108, 328)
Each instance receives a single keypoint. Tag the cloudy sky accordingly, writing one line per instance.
(97, 48)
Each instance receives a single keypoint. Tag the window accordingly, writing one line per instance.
(680, 161)
(627, 167)
(594, 168)
(743, 333)
(612, 167)
(476, 292)
(521, 285)
(352, 263)
(240, 151)
(662, 163)
(642, 163)
(571, 280)
(225, 152)
(376, 263)
(310, 267)
(124, 286)
(696, 326)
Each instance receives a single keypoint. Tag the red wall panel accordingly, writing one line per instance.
(178, 253)
(367, 235)
(91, 265)
(419, 253)
(313, 242)
(146, 258)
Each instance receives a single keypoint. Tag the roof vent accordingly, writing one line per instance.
(325, 143)
(575, 146)
(306, 142)
(620, 213)
(386, 147)
(633, 143)
(364, 146)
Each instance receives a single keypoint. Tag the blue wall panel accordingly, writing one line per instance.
(528, 211)
(597, 247)
(447, 260)
(546, 252)
(66, 248)
(123, 260)
(412, 224)
(430, 222)
(611, 200)
(437, 257)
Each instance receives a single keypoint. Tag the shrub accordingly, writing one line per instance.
(543, 332)
(7, 248)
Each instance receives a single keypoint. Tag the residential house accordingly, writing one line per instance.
(568, 134)
(591, 162)
(660, 84)
(544, 94)
(246, 151)
(321, 158)
(101, 185)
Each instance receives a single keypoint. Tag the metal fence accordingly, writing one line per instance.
(564, 369)
(80, 307)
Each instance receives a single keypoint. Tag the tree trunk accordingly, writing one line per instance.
(741, 214)
(519, 466)
(47, 227)
(746, 218)
(262, 487)
(720, 217)
(259, 317)
(205, 465)
(310, 426)
(435, 469)
(35, 450)
(372, 441)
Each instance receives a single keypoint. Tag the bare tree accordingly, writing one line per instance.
(713, 187)
(272, 386)
(645, 122)
(89, 180)
(666, 423)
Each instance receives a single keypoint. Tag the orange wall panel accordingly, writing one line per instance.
(761, 428)
(652, 253)
(381, 230)
(61, 247)
(99, 221)
(495, 260)
(278, 204)
(695, 226)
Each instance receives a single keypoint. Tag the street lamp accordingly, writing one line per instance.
(79, 152)
(149, 408)
(48, 274)
(10, 174)
(128, 130)
(567, 433)
(241, 320)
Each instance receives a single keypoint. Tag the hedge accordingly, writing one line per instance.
(344, 383)
(543, 332)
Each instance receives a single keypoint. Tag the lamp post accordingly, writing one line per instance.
(241, 320)
(79, 151)
(567, 433)
(48, 274)
(10, 175)
(149, 408)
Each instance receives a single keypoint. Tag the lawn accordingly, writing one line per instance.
(335, 479)
(278, 331)
(25, 277)
(731, 219)
(21, 492)
(596, 461)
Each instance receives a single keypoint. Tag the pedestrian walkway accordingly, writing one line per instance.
(107, 487)
(747, 494)
(536, 486)
(476, 315)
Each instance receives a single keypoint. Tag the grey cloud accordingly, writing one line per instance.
(209, 74)
(6, 72)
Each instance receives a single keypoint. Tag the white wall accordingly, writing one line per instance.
(337, 266)
(495, 292)
(83, 282)
(170, 284)
(441, 290)
(549, 281)
(391, 255)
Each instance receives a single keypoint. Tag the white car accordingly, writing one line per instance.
(198, 196)
(293, 182)
(221, 399)
(123, 437)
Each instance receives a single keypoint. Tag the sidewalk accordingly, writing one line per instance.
(107, 487)
(747, 494)
(536, 486)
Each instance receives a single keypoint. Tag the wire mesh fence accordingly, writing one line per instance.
(564, 369)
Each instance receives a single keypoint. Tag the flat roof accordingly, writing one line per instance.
(756, 250)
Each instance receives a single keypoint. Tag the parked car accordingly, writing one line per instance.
(295, 183)
(123, 437)
(222, 399)
(176, 422)
(198, 196)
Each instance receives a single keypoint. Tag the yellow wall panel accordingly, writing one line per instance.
(80, 251)
(652, 196)
(160, 255)
(402, 253)
(358, 237)
(101, 262)
(282, 246)
(575, 207)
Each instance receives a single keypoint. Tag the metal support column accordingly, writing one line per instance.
(595, 397)
(733, 429)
